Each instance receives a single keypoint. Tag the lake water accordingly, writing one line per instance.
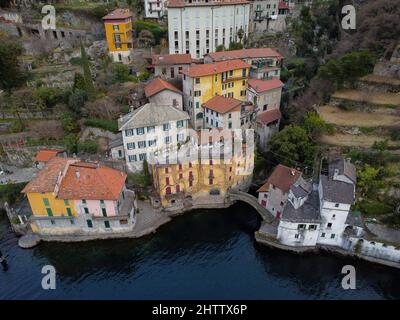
(204, 254)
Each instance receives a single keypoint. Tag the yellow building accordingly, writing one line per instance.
(200, 182)
(204, 81)
(118, 28)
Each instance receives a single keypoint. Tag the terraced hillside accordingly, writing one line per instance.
(364, 115)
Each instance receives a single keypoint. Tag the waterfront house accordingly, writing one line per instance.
(170, 66)
(161, 92)
(274, 193)
(201, 179)
(265, 62)
(118, 29)
(203, 82)
(149, 128)
(71, 197)
(200, 27)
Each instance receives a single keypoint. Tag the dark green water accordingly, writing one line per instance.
(201, 255)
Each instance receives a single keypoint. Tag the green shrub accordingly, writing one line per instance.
(88, 146)
(373, 208)
(17, 126)
(157, 31)
(109, 125)
(11, 192)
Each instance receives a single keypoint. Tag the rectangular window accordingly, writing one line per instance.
(115, 27)
(129, 132)
(332, 236)
(168, 139)
(104, 212)
(89, 223)
(166, 126)
(139, 131)
(130, 145)
(86, 210)
(210, 181)
(244, 72)
(179, 124)
(166, 170)
(69, 212)
(197, 105)
(141, 144)
(49, 212)
(101, 201)
(84, 201)
(196, 80)
(46, 202)
(66, 202)
(107, 224)
(142, 156)
(151, 129)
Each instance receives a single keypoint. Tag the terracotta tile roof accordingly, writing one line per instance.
(282, 178)
(265, 85)
(158, 85)
(118, 14)
(91, 181)
(46, 155)
(245, 54)
(221, 104)
(46, 179)
(269, 116)
(168, 59)
(200, 70)
(182, 3)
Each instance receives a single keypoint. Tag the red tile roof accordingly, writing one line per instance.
(47, 178)
(158, 85)
(78, 180)
(245, 54)
(46, 155)
(283, 5)
(182, 3)
(200, 70)
(222, 105)
(282, 178)
(168, 59)
(269, 116)
(118, 14)
(91, 181)
(265, 85)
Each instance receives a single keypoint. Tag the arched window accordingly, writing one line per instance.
(199, 115)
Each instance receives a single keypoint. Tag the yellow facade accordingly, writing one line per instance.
(172, 181)
(46, 204)
(234, 85)
(118, 34)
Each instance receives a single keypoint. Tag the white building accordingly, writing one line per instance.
(161, 92)
(154, 9)
(150, 128)
(337, 194)
(320, 216)
(200, 26)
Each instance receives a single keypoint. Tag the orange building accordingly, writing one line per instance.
(118, 28)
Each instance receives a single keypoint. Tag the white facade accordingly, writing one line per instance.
(298, 234)
(140, 141)
(229, 120)
(200, 29)
(333, 220)
(121, 56)
(154, 9)
(167, 97)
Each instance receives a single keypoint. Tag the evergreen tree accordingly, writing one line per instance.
(89, 87)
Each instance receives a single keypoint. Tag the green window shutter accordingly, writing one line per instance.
(49, 212)
(69, 212)
(46, 202)
(104, 212)
(89, 223)
(107, 224)
(66, 202)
